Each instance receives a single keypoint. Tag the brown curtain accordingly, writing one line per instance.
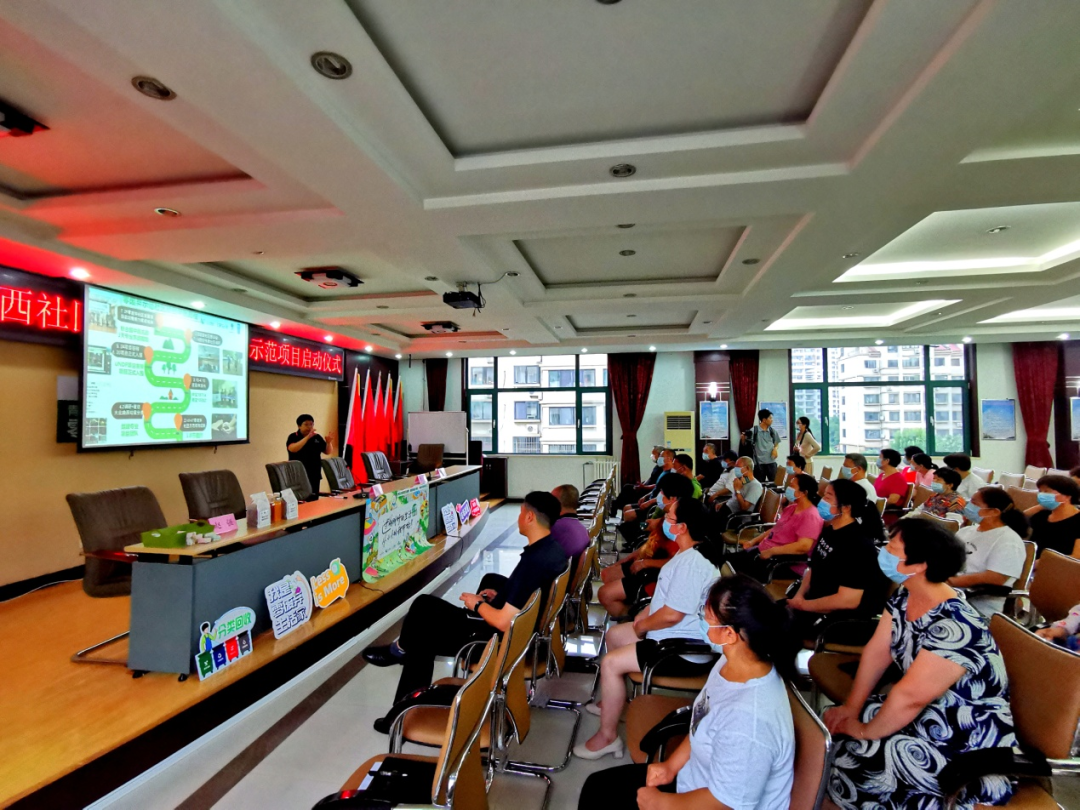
(744, 386)
(631, 377)
(1035, 366)
(435, 370)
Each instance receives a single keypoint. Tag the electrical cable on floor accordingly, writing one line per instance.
(38, 588)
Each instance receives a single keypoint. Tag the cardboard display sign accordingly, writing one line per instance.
(292, 508)
(376, 490)
(395, 530)
(449, 519)
(474, 507)
(330, 585)
(439, 473)
(224, 642)
(463, 512)
(289, 602)
(420, 479)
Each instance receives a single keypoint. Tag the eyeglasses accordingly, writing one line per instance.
(705, 621)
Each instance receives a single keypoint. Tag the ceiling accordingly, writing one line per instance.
(819, 173)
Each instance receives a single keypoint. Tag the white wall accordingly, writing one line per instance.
(672, 390)
(997, 380)
(773, 373)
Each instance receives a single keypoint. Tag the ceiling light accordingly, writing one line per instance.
(275, 324)
(431, 278)
(368, 349)
(967, 339)
(397, 356)
(920, 283)
(167, 212)
(878, 342)
(328, 338)
(449, 354)
(631, 335)
(512, 274)
(583, 351)
(723, 345)
(381, 306)
(257, 252)
(629, 295)
(851, 255)
(1063, 336)
(627, 252)
(631, 316)
(623, 170)
(750, 261)
(80, 273)
(198, 304)
(153, 88)
(998, 229)
(331, 65)
(626, 225)
(513, 352)
(706, 321)
(1039, 315)
(802, 319)
(652, 348)
(847, 307)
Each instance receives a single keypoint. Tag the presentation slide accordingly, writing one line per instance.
(159, 375)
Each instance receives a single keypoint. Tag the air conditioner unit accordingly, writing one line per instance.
(679, 431)
(530, 428)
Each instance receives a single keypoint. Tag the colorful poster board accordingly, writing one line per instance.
(999, 419)
(289, 603)
(474, 507)
(463, 512)
(224, 642)
(713, 420)
(450, 519)
(395, 530)
(330, 585)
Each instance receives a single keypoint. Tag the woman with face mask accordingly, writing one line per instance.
(741, 747)
(995, 549)
(671, 614)
(944, 503)
(797, 529)
(952, 697)
(805, 446)
(1055, 522)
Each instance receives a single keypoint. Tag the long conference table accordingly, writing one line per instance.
(174, 591)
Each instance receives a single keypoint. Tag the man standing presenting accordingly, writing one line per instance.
(764, 440)
(308, 447)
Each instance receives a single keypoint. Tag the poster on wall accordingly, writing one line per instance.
(713, 420)
(395, 530)
(999, 419)
(780, 416)
(1074, 410)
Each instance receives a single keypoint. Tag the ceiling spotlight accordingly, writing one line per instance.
(431, 278)
(397, 356)
(706, 322)
(998, 229)
(851, 255)
(878, 342)
(449, 354)
(1063, 336)
(153, 88)
(80, 273)
(627, 252)
(331, 65)
(368, 349)
(167, 212)
(198, 304)
(275, 324)
(381, 306)
(328, 338)
(920, 283)
(847, 307)
(626, 225)
(631, 335)
(513, 352)
(512, 274)
(631, 316)
(750, 261)
(967, 339)
(623, 170)
(257, 252)
(652, 348)
(607, 2)
(629, 295)
(583, 351)
(723, 345)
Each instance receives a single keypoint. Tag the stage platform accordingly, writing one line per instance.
(73, 732)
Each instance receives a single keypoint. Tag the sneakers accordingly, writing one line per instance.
(617, 748)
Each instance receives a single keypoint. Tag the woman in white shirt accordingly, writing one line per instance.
(995, 548)
(805, 443)
(741, 749)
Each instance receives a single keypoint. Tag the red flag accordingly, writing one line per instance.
(399, 421)
(355, 426)
(375, 431)
(388, 420)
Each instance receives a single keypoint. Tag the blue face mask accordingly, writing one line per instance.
(846, 472)
(790, 469)
(660, 499)
(936, 487)
(1048, 500)
(737, 473)
(704, 456)
(888, 562)
(825, 510)
(723, 464)
(971, 512)
(668, 533)
(789, 493)
(705, 628)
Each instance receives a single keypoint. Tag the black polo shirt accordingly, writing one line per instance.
(847, 558)
(541, 562)
(310, 456)
(710, 472)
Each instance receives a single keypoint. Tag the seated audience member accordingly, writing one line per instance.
(671, 614)
(952, 698)
(944, 503)
(910, 452)
(797, 529)
(805, 444)
(854, 470)
(721, 490)
(435, 627)
(995, 548)
(745, 493)
(794, 465)
(710, 468)
(629, 574)
(890, 483)
(631, 493)
(1055, 522)
(568, 531)
(922, 467)
(741, 749)
(1074, 474)
(684, 466)
(969, 482)
(630, 528)
(843, 580)
(1065, 631)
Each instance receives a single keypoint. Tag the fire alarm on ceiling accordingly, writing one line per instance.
(330, 278)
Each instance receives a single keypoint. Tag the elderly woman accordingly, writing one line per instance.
(953, 697)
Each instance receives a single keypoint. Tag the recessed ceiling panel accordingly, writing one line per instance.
(850, 316)
(662, 256)
(518, 74)
(282, 274)
(643, 320)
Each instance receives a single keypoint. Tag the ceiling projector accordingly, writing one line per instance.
(462, 299)
(441, 327)
(329, 278)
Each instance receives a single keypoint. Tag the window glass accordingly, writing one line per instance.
(808, 404)
(864, 363)
(948, 422)
(594, 423)
(592, 371)
(806, 365)
(526, 410)
(947, 362)
(559, 448)
(561, 416)
(560, 378)
(481, 372)
(480, 422)
(867, 430)
(526, 444)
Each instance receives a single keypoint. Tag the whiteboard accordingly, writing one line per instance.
(439, 427)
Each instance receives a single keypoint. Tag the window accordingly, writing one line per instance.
(929, 403)
(539, 405)
(526, 410)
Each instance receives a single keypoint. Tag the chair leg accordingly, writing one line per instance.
(538, 767)
(513, 770)
(82, 656)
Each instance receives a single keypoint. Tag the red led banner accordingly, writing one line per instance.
(270, 352)
(39, 308)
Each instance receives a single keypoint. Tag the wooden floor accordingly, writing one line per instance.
(56, 716)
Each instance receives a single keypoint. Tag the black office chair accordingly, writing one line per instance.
(338, 474)
(212, 494)
(290, 475)
(377, 467)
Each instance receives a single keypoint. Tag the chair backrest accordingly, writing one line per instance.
(428, 457)
(984, 473)
(550, 626)
(813, 755)
(1055, 471)
(880, 503)
(338, 475)
(377, 466)
(770, 505)
(780, 477)
(905, 501)
(584, 568)
(920, 496)
(727, 570)
(826, 473)
(212, 494)
(1035, 473)
(1030, 550)
(108, 521)
(1031, 483)
(1007, 480)
(945, 523)
(1044, 687)
(1055, 588)
(1023, 498)
(516, 642)
(289, 475)
(455, 774)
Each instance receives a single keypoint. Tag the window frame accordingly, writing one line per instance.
(517, 388)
